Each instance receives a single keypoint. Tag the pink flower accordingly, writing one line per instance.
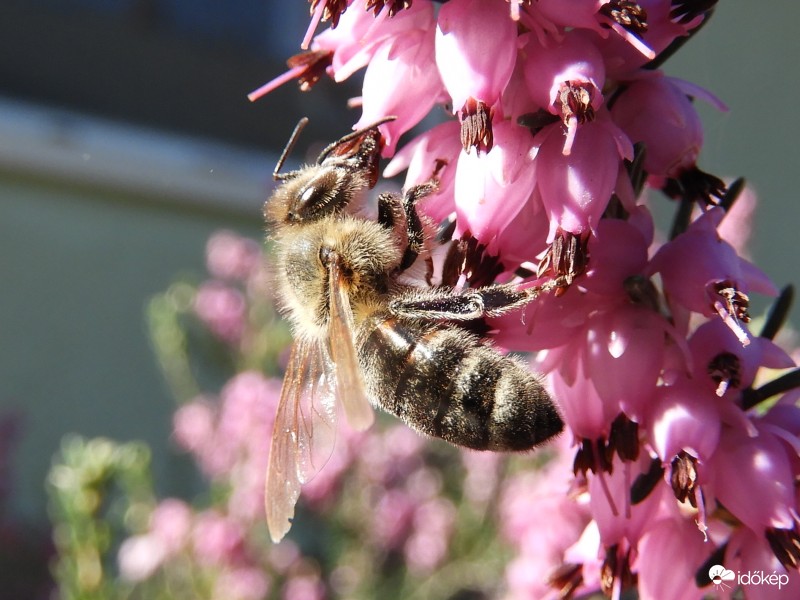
(492, 188)
(230, 256)
(401, 80)
(217, 540)
(248, 404)
(566, 77)
(222, 309)
(683, 416)
(475, 52)
(721, 362)
(304, 586)
(679, 539)
(140, 556)
(749, 552)
(242, 583)
(633, 47)
(171, 523)
(193, 425)
(432, 527)
(619, 521)
(744, 463)
(576, 188)
(668, 125)
(718, 280)
(392, 518)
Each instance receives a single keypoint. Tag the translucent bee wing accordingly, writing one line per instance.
(304, 433)
(350, 385)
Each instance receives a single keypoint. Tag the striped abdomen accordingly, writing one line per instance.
(441, 380)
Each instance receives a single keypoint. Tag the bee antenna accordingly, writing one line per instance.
(351, 136)
(276, 174)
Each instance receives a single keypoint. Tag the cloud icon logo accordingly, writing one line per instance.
(718, 574)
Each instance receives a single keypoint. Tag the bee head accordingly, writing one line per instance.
(343, 169)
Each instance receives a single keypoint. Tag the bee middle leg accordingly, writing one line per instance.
(443, 304)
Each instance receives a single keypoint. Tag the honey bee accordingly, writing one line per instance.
(364, 338)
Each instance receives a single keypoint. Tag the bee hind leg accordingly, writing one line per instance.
(443, 304)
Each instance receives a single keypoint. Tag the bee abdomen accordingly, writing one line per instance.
(444, 382)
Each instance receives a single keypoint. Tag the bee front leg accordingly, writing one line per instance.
(401, 216)
(445, 305)
(392, 216)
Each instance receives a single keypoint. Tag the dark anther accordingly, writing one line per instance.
(315, 63)
(683, 477)
(785, 544)
(393, 6)
(476, 125)
(685, 11)
(697, 186)
(623, 438)
(736, 302)
(565, 579)
(575, 101)
(332, 11)
(725, 370)
(567, 258)
(628, 14)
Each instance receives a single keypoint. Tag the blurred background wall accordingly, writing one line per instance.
(126, 138)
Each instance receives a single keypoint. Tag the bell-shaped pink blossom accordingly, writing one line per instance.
(401, 80)
(718, 280)
(587, 415)
(618, 251)
(476, 47)
(359, 34)
(721, 362)
(624, 354)
(524, 238)
(750, 552)
(605, 19)
(658, 113)
(546, 323)
(491, 188)
(683, 416)
(744, 463)
(626, 54)
(576, 188)
(565, 77)
(617, 519)
(677, 538)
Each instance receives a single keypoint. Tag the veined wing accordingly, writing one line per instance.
(304, 431)
(350, 385)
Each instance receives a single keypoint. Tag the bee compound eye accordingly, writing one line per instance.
(307, 195)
